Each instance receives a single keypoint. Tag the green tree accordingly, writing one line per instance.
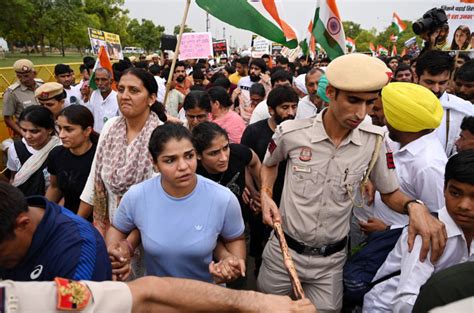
(145, 34)
(111, 16)
(65, 30)
(351, 29)
(186, 29)
(364, 39)
(14, 22)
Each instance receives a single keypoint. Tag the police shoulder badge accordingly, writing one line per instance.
(72, 295)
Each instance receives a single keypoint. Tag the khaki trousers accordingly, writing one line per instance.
(321, 277)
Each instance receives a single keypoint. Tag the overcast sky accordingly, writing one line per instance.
(298, 13)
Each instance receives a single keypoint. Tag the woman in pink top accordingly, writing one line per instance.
(223, 115)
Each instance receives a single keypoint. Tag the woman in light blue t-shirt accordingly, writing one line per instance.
(180, 216)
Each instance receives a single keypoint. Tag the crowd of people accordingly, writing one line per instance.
(123, 180)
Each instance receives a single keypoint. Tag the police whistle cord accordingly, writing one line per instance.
(289, 265)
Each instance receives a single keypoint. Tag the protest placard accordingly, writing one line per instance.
(195, 46)
(219, 47)
(111, 41)
(260, 46)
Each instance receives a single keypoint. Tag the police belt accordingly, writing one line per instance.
(326, 250)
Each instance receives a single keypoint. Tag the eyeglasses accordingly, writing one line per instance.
(199, 117)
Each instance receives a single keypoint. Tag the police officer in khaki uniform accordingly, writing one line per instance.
(21, 94)
(52, 96)
(327, 158)
(146, 294)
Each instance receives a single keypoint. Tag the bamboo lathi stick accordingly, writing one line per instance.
(289, 265)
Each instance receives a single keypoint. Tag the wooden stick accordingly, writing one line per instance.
(176, 51)
(290, 266)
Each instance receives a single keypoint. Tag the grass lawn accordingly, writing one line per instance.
(37, 59)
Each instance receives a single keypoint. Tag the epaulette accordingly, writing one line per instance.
(370, 128)
(292, 125)
(14, 86)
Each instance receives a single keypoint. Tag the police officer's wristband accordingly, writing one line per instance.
(267, 190)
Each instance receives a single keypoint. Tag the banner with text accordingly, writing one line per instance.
(195, 46)
(260, 46)
(460, 15)
(111, 41)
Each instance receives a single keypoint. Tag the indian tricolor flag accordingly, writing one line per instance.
(350, 44)
(394, 51)
(381, 50)
(328, 30)
(397, 23)
(260, 17)
(372, 48)
(309, 44)
(102, 61)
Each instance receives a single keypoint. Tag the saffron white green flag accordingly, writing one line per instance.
(260, 17)
(103, 61)
(309, 44)
(398, 23)
(328, 30)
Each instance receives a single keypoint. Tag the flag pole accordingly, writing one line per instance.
(176, 51)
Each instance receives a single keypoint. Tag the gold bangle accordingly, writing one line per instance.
(267, 190)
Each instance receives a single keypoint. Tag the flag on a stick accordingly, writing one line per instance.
(372, 48)
(309, 44)
(261, 20)
(350, 44)
(397, 23)
(102, 61)
(328, 30)
(381, 50)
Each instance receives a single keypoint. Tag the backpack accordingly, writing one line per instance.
(360, 268)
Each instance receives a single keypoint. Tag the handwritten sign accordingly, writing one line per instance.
(195, 46)
(260, 46)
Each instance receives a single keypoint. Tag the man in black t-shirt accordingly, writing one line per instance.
(282, 103)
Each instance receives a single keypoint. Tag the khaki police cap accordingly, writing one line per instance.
(48, 91)
(358, 72)
(148, 57)
(154, 55)
(23, 66)
(132, 58)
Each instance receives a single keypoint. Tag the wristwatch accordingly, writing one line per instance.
(405, 206)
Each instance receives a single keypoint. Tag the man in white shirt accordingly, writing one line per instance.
(65, 76)
(278, 78)
(433, 70)
(412, 113)
(160, 81)
(310, 104)
(399, 293)
(103, 101)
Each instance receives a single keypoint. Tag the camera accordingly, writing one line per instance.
(430, 21)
